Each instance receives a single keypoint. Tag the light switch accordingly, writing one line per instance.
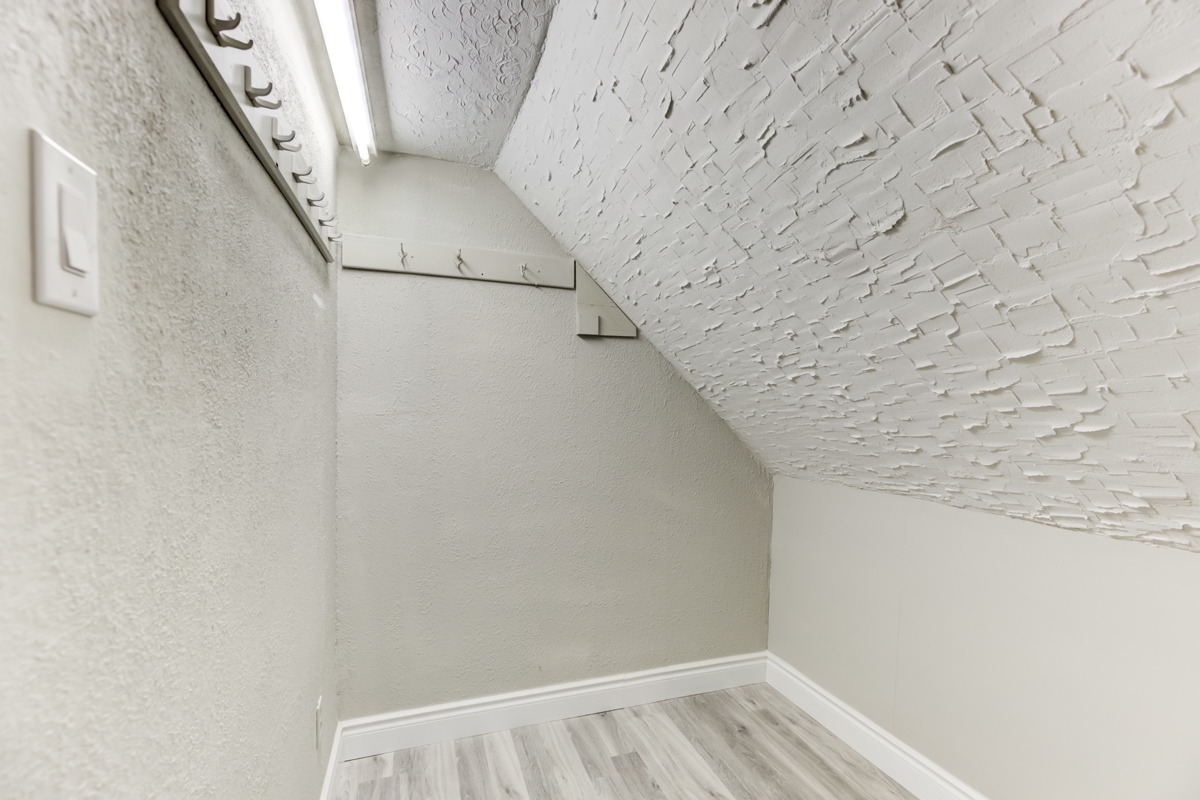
(65, 249)
(72, 223)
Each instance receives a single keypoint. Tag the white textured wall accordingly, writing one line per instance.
(454, 71)
(166, 468)
(519, 506)
(945, 248)
(1033, 663)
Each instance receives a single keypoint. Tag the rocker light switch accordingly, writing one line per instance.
(65, 251)
(72, 222)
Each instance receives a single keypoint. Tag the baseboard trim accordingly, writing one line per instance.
(335, 758)
(385, 733)
(906, 766)
(369, 736)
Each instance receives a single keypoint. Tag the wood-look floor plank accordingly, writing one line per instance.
(569, 771)
(400, 787)
(550, 764)
(433, 772)
(799, 734)
(804, 763)
(507, 782)
(402, 775)
(528, 751)
(596, 754)
(781, 715)
(801, 765)
(633, 780)
(677, 768)
(615, 740)
(375, 767)
(346, 781)
(749, 743)
(474, 782)
(743, 769)
(391, 787)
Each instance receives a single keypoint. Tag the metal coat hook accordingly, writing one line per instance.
(327, 223)
(256, 95)
(281, 141)
(206, 29)
(219, 26)
(458, 261)
(319, 201)
(403, 257)
(525, 276)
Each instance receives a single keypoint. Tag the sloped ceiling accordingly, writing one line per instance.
(944, 248)
(453, 72)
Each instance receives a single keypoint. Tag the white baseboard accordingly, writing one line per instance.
(335, 758)
(385, 733)
(904, 765)
(370, 736)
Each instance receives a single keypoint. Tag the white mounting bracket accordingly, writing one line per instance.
(595, 312)
(449, 261)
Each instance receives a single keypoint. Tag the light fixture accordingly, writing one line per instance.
(341, 42)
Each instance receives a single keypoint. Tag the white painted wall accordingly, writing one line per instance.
(166, 468)
(449, 76)
(1032, 663)
(519, 506)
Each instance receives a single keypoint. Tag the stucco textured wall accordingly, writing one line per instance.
(453, 72)
(1032, 663)
(166, 468)
(944, 248)
(519, 506)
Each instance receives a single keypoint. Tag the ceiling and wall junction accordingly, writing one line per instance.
(454, 72)
(943, 248)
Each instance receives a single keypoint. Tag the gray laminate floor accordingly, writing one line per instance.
(748, 743)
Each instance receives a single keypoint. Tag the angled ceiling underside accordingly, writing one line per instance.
(943, 248)
(447, 77)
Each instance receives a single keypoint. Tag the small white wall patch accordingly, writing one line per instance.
(65, 250)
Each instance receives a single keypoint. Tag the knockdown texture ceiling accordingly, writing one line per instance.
(455, 72)
(944, 248)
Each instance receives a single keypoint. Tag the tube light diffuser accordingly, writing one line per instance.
(341, 42)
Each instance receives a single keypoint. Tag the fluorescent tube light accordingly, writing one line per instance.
(341, 42)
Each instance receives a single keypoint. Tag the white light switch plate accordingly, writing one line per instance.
(66, 255)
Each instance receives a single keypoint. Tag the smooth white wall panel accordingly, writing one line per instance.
(1033, 664)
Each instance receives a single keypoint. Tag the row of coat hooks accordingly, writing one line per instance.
(223, 55)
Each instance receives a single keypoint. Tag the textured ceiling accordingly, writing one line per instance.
(945, 248)
(454, 71)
